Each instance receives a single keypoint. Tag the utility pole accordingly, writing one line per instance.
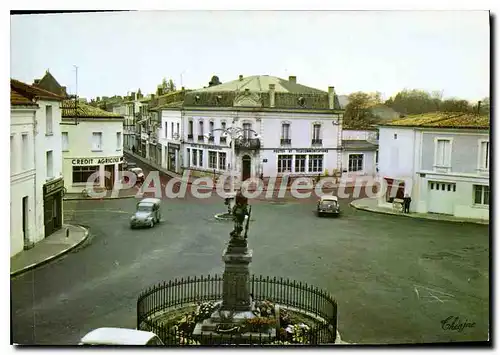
(76, 94)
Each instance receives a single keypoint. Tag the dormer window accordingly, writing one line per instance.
(197, 98)
(301, 101)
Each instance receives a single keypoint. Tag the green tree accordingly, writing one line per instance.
(357, 111)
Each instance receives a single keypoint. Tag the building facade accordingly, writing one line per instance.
(36, 174)
(284, 128)
(360, 152)
(441, 160)
(92, 143)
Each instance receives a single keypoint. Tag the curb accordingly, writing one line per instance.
(368, 209)
(53, 257)
(97, 198)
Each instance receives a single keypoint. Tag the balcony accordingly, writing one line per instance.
(247, 144)
(211, 139)
(285, 141)
(201, 138)
(317, 142)
(190, 136)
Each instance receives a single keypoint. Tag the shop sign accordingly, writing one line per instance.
(53, 186)
(96, 161)
(207, 146)
(173, 146)
(306, 150)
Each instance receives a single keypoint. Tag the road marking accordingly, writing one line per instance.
(95, 211)
(429, 295)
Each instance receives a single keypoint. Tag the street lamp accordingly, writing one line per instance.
(234, 133)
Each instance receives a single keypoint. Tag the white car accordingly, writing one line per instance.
(120, 336)
(138, 173)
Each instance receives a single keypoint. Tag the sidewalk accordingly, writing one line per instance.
(128, 193)
(48, 249)
(371, 205)
(277, 185)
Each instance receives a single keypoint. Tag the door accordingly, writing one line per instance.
(25, 220)
(109, 182)
(56, 212)
(246, 167)
(441, 197)
(48, 206)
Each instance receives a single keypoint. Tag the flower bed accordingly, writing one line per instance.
(291, 327)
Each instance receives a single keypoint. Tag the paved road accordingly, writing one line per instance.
(395, 278)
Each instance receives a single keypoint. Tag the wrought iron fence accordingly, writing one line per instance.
(318, 304)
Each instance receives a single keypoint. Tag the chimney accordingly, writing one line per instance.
(479, 107)
(132, 94)
(182, 89)
(272, 92)
(241, 77)
(292, 79)
(331, 97)
(247, 90)
(37, 81)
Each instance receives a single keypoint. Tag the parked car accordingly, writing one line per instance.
(138, 173)
(147, 213)
(328, 204)
(120, 336)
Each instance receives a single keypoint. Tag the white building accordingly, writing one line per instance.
(92, 141)
(360, 152)
(169, 133)
(287, 128)
(36, 174)
(441, 160)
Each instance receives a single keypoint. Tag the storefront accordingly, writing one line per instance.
(52, 205)
(81, 171)
(173, 159)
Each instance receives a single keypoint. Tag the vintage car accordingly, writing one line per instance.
(138, 173)
(120, 336)
(147, 213)
(328, 205)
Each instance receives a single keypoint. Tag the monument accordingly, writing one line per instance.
(237, 305)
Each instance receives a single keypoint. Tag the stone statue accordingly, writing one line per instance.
(239, 212)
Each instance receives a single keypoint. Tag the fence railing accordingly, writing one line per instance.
(312, 301)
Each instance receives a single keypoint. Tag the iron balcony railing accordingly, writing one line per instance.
(285, 141)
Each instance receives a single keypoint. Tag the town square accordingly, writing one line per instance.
(253, 204)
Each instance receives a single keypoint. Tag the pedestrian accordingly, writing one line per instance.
(133, 149)
(406, 203)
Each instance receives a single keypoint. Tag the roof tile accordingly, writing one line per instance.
(443, 120)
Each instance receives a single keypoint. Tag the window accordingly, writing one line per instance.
(177, 131)
(285, 131)
(25, 152)
(81, 174)
(316, 131)
(195, 157)
(50, 164)
(190, 128)
(223, 124)
(211, 127)
(200, 160)
(172, 130)
(212, 160)
(481, 195)
(315, 163)
(443, 152)
(376, 157)
(119, 143)
(222, 161)
(13, 158)
(65, 141)
(166, 130)
(48, 119)
(484, 157)
(97, 141)
(300, 163)
(395, 136)
(200, 132)
(355, 162)
(246, 130)
(284, 163)
(188, 157)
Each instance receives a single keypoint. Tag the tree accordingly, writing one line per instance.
(167, 86)
(455, 105)
(357, 111)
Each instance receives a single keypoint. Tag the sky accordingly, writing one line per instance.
(369, 51)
